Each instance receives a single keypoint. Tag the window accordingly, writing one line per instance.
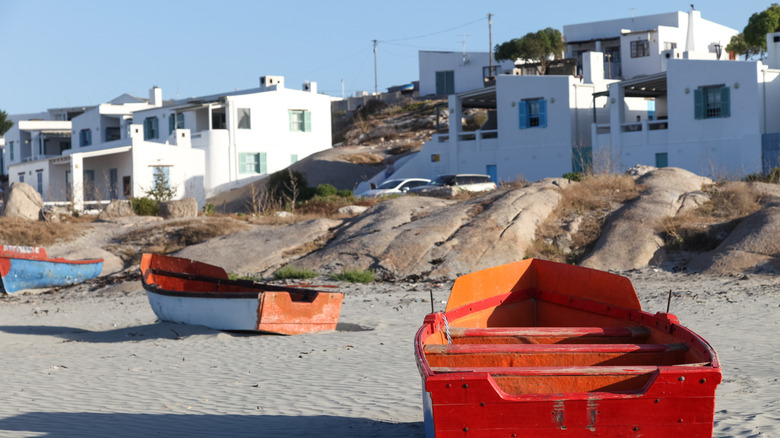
(21, 177)
(151, 128)
(252, 163)
(712, 102)
(11, 149)
(113, 182)
(39, 177)
(218, 120)
(112, 133)
(533, 113)
(171, 123)
(293, 158)
(180, 121)
(445, 83)
(640, 48)
(244, 119)
(85, 137)
(300, 121)
(670, 46)
(126, 187)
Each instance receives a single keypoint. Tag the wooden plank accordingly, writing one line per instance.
(548, 335)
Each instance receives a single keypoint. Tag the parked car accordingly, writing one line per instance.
(395, 187)
(469, 182)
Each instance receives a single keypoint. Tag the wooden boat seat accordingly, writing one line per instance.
(553, 355)
(557, 380)
(549, 335)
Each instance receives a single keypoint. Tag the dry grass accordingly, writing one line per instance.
(572, 229)
(367, 158)
(170, 236)
(703, 228)
(17, 231)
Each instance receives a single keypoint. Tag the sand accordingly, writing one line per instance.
(78, 362)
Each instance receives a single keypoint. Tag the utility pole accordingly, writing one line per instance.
(490, 41)
(342, 88)
(376, 88)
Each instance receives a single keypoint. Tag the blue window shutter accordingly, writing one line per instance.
(542, 113)
(241, 163)
(698, 103)
(307, 121)
(725, 102)
(155, 127)
(171, 124)
(261, 163)
(522, 109)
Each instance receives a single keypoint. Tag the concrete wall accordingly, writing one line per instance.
(467, 76)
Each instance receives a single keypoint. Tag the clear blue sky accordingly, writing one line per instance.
(59, 53)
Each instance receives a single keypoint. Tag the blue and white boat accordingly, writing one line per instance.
(28, 267)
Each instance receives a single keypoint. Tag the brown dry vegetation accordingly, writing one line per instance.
(574, 226)
(703, 228)
(169, 236)
(18, 231)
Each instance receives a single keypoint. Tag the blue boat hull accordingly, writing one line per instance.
(32, 274)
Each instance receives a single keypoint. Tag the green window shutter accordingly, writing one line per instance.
(290, 116)
(542, 113)
(261, 163)
(698, 103)
(307, 121)
(241, 163)
(725, 102)
(522, 109)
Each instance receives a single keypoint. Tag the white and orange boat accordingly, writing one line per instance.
(190, 292)
(543, 349)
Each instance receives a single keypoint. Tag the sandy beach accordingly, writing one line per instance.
(92, 361)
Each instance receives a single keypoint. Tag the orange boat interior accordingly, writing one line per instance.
(539, 327)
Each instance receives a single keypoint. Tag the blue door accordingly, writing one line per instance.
(661, 160)
(492, 172)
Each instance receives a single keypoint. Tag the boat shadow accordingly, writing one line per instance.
(126, 425)
(162, 330)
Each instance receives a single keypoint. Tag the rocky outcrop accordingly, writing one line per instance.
(629, 239)
(185, 207)
(118, 208)
(423, 237)
(23, 201)
(753, 246)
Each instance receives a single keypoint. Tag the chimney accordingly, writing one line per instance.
(592, 67)
(311, 87)
(694, 17)
(155, 96)
(269, 83)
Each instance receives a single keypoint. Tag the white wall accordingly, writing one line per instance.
(467, 76)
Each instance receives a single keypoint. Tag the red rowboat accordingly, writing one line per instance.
(543, 349)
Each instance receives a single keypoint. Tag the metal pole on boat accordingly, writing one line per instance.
(669, 301)
(431, 291)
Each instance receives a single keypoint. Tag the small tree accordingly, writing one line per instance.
(535, 47)
(161, 189)
(760, 24)
(5, 124)
(739, 46)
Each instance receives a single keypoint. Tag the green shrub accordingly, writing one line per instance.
(574, 176)
(344, 193)
(145, 206)
(326, 190)
(354, 276)
(286, 185)
(233, 276)
(287, 272)
(208, 209)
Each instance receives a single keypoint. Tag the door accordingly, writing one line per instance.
(492, 172)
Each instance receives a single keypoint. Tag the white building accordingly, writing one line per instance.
(445, 73)
(643, 45)
(712, 118)
(202, 146)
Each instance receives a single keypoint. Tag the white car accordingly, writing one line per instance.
(395, 187)
(468, 182)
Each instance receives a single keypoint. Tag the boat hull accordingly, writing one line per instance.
(187, 292)
(29, 268)
(542, 349)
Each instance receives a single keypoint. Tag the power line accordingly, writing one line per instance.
(433, 33)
